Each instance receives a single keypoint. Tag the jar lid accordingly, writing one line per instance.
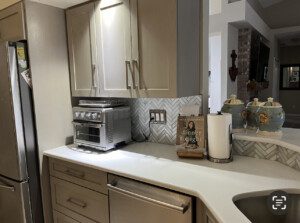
(254, 103)
(233, 100)
(272, 103)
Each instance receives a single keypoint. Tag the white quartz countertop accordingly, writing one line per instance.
(289, 139)
(215, 184)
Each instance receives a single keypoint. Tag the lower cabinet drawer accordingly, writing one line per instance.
(79, 203)
(87, 177)
(61, 218)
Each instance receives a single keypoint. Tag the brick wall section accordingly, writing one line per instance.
(244, 53)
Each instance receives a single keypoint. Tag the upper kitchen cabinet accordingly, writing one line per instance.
(114, 36)
(143, 48)
(154, 47)
(12, 26)
(149, 48)
(81, 27)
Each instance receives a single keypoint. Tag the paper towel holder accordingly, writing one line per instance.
(215, 160)
(230, 159)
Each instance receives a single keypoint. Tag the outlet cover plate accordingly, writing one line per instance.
(158, 116)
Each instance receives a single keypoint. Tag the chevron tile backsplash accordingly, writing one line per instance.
(267, 151)
(165, 134)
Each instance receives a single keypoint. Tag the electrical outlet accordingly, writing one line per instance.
(158, 116)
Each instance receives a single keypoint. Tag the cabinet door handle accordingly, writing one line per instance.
(77, 202)
(127, 64)
(94, 68)
(134, 66)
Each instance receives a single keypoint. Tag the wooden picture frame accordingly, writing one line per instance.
(190, 132)
(290, 77)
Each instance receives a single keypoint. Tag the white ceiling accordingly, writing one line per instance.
(268, 3)
(278, 13)
(60, 3)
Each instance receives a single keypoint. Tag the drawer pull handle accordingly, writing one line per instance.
(6, 187)
(74, 173)
(77, 202)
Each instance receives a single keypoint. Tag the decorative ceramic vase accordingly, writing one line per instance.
(270, 117)
(252, 109)
(235, 107)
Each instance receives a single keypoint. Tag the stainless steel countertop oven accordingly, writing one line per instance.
(101, 128)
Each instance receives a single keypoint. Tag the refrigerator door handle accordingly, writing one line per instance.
(6, 187)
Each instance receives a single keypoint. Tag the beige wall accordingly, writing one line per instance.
(6, 3)
(50, 74)
(290, 99)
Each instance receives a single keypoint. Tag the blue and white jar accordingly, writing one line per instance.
(252, 109)
(237, 108)
(270, 118)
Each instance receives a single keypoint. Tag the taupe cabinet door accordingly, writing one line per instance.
(12, 23)
(82, 50)
(155, 47)
(114, 35)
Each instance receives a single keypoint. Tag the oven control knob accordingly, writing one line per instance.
(82, 115)
(88, 115)
(77, 114)
(94, 116)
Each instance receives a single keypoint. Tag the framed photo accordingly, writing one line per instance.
(190, 132)
(290, 77)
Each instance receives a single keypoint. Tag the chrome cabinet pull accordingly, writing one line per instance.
(134, 66)
(94, 68)
(75, 173)
(127, 63)
(6, 187)
(77, 202)
(182, 209)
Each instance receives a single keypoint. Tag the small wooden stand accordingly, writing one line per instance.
(190, 153)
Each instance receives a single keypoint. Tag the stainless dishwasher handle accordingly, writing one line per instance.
(183, 208)
(6, 187)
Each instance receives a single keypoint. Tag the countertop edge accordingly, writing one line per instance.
(63, 153)
(153, 182)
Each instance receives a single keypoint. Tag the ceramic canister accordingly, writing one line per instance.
(252, 109)
(235, 107)
(270, 117)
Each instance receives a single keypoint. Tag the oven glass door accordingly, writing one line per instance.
(87, 133)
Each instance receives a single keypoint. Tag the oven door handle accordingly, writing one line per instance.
(88, 125)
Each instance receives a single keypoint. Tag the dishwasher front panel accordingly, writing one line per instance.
(134, 202)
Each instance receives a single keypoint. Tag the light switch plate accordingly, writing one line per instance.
(158, 116)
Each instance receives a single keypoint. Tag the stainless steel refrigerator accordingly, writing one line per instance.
(20, 192)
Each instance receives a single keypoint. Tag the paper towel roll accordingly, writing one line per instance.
(219, 130)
